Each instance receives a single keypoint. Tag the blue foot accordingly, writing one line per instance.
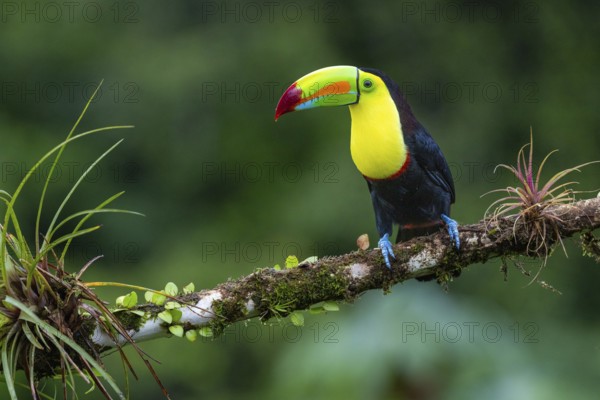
(386, 249)
(452, 227)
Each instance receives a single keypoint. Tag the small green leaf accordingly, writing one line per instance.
(277, 267)
(318, 308)
(171, 289)
(189, 288)
(331, 306)
(176, 314)
(130, 300)
(310, 260)
(139, 313)
(176, 330)
(119, 301)
(297, 318)
(316, 305)
(166, 316)
(191, 335)
(291, 262)
(171, 305)
(158, 299)
(149, 296)
(127, 301)
(205, 332)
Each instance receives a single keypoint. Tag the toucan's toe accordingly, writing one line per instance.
(386, 249)
(452, 227)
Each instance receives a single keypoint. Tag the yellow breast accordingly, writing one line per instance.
(376, 143)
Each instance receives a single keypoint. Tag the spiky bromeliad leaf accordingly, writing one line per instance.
(56, 159)
(528, 201)
(57, 338)
(529, 195)
(48, 236)
(9, 367)
(29, 280)
(10, 214)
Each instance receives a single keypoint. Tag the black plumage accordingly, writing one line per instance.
(416, 198)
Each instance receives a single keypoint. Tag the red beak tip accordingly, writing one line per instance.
(288, 101)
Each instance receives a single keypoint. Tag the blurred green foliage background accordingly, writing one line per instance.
(226, 190)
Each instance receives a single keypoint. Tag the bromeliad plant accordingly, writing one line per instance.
(44, 308)
(528, 202)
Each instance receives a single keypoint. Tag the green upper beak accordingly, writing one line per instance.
(326, 87)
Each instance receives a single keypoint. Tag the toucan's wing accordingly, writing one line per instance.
(429, 156)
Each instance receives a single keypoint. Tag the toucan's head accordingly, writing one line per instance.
(380, 115)
(333, 86)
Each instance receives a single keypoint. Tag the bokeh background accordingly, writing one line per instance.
(225, 189)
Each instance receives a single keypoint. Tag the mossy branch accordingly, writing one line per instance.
(270, 293)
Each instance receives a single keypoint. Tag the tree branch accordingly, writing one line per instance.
(269, 292)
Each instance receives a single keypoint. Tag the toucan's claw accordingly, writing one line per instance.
(452, 227)
(386, 249)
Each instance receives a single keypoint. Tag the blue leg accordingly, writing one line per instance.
(386, 249)
(452, 227)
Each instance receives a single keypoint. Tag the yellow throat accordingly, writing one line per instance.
(376, 142)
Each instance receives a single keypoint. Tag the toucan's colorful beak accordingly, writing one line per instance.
(326, 87)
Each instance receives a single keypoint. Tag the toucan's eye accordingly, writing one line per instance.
(367, 84)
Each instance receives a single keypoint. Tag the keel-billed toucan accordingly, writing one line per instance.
(407, 174)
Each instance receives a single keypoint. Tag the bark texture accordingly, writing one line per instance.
(267, 292)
